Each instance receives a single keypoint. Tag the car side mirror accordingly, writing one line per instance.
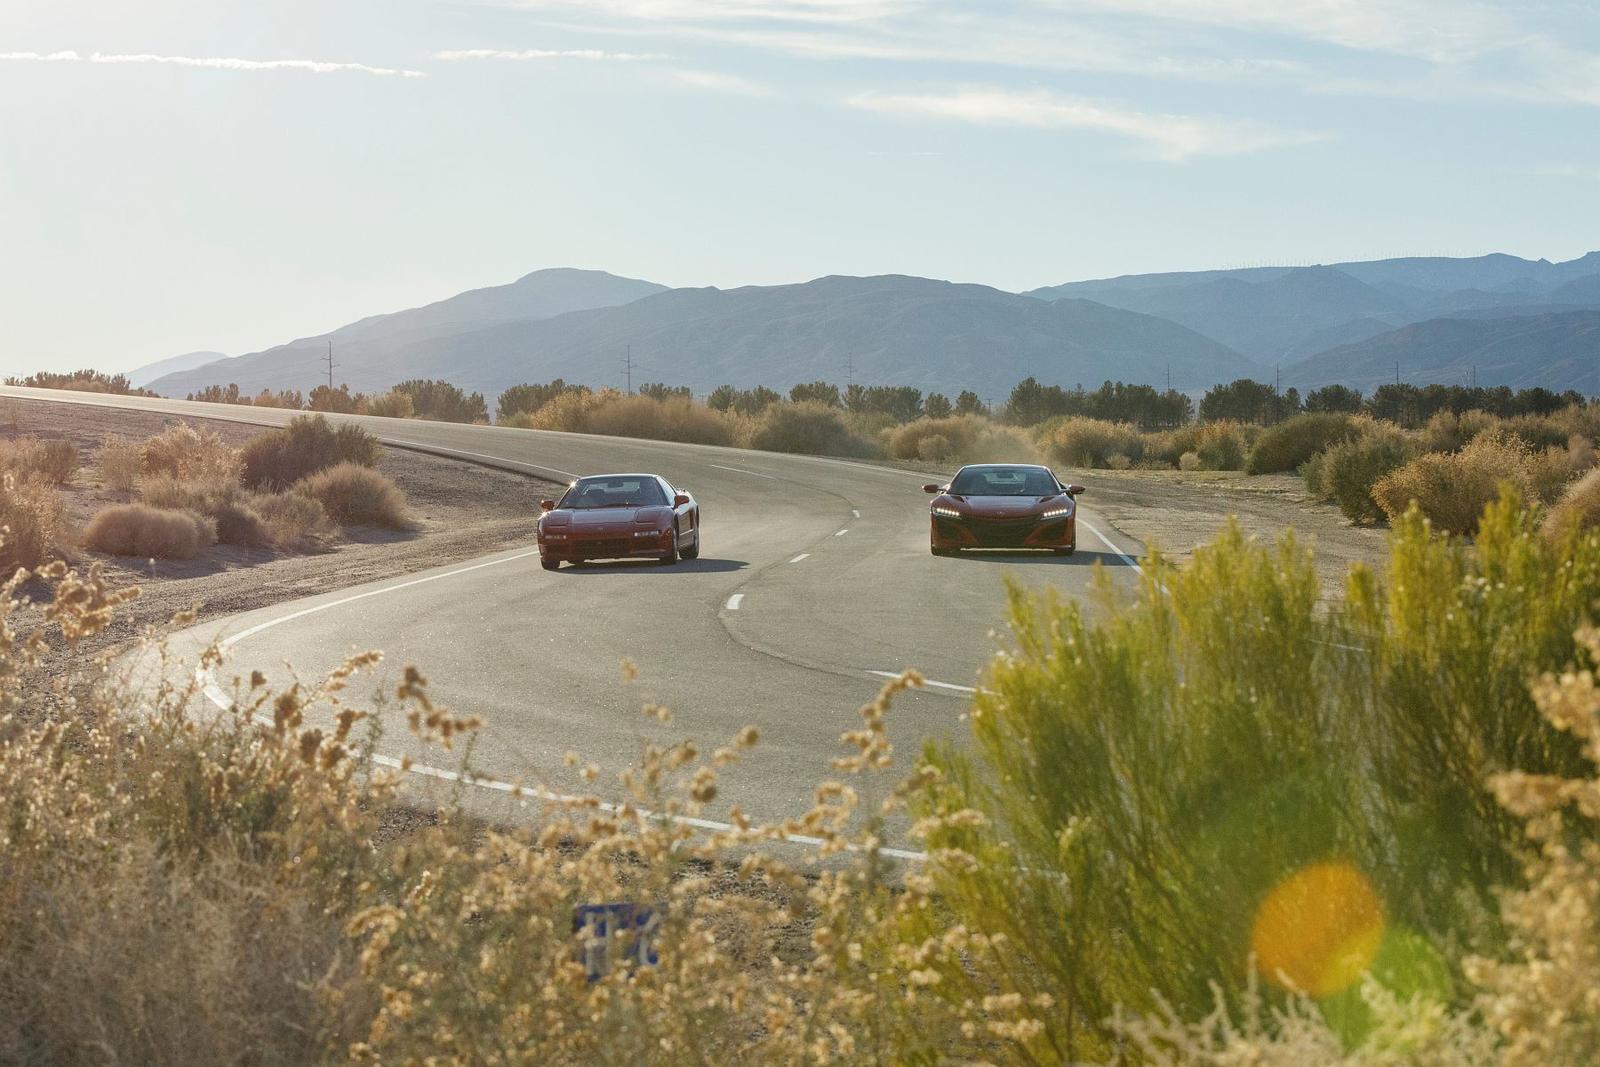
(680, 500)
(930, 488)
(1074, 490)
(547, 505)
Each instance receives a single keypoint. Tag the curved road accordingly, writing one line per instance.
(815, 580)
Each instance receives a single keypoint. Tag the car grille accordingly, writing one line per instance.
(619, 546)
(1001, 533)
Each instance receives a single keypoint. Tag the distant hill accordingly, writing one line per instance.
(893, 330)
(534, 296)
(1277, 314)
(140, 376)
(1556, 349)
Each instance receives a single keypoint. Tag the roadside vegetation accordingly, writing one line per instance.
(1289, 836)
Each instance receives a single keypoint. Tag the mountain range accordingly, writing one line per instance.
(1498, 318)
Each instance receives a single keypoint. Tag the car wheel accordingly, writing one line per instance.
(693, 551)
(670, 557)
(550, 564)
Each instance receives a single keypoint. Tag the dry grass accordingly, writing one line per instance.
(53, 461)
(183, 451)
(30, 523)
(355, 495)
(120, 462)
(149, 533)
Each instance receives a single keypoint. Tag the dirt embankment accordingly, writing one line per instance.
(459, 510)
(1176, 511)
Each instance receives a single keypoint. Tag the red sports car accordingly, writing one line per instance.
(619, 516)
(1004, 505)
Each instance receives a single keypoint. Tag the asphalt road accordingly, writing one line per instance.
(814, 580)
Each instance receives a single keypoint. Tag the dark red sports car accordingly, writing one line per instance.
(619, 516)
(1004, 505)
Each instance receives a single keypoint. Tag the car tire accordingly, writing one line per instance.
(550, 564)
(671, 555)
(692, 552)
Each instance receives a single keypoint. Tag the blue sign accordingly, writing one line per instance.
(612, 935)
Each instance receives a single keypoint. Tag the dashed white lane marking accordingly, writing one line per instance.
(801, 556)
(1107, 542)
(854, 514)
(734, 600)
(928, 681)
(841, 533)
(425, 446)
(741, 470)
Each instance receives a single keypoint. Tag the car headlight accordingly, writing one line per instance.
(947, 512)
(1056, 513)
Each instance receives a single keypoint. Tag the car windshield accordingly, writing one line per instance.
(632, 492)
(1004, 481)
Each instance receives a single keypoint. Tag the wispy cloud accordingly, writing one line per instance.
(1171, 137)
(718, 82)
(592, 54)
(314, 66)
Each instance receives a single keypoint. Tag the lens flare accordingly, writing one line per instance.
(1318, 930)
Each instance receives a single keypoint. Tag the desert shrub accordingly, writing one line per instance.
(1448, 431)
(1222, 445)
(120, 461)
(30, 523)
(391, 405)
(675, 418)
(278, 458)
(933, 448)
(1349, 470)
(186, 452)
(353, 494)
(221, 500)
(966, 439)
(1288, 444)
(147, 532)
(1085, 442)
(294, 521)
(53, 461)
(1452, 489)
(1236, 747)
(1189, 461)
(1119, 462)
(1539, 431)
(521, 420)
(808, 427)
(569, 411)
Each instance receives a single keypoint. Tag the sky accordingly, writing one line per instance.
(209, 174)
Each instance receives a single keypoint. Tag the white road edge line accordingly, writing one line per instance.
(1107, 542)
(741, 470)
(854, 513)
(479, 455)
(801, 556)
(842, 532)
(928, 681)
(207, 678)
(734, 601)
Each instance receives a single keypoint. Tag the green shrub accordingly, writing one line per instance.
(353, 494)
(149, 533)
(222, 501)
(30, 523)
(1539, 431)
(1287, 445)
(1350, 469)
(808, 427)
(1227, 736)
(185, 452)
(1448, 431)
(278, 458)
(1222, 445)
(1085, 442)
(391, 405)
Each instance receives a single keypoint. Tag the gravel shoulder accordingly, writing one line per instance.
(1177, 511)
(460, 511)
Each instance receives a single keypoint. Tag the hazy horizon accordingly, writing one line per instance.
(225, 177)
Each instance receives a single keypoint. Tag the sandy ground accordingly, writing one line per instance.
(1176, 511)
(460, 511)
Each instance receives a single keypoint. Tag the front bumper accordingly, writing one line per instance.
(976, 532)
(571, 548)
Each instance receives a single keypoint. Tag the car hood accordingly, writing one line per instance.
(585, 518)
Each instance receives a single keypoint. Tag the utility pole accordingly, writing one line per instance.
(1169, 376)
(849, 369)
(1397, 372)
(627, 361)
(331, 364)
